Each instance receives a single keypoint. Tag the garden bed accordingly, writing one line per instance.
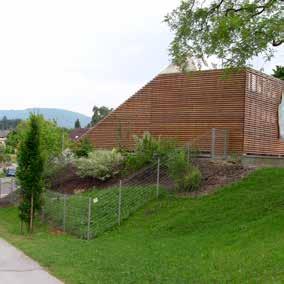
(69, 182)
(214, 174)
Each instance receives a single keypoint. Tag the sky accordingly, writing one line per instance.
(77, 54)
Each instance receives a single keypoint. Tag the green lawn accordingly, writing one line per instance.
(235, 235)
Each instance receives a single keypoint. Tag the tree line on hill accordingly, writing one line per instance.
(98, 114)
(7, 124)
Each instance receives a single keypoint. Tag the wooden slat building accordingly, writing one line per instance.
(186, 107)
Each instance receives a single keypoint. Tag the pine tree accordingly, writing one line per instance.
(77, 123)
(30, 172)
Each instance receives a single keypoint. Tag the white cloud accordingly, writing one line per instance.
(74, 54)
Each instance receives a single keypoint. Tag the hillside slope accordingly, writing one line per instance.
(64, 118)
(234, 235)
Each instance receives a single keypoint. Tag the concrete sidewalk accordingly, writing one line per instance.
(17, 268)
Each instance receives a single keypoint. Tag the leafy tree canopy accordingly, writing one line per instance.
(278, 72)
(53, 138)
(234, 31)
(99, 114)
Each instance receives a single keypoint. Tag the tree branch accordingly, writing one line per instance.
(277, 43)
(262, 7)
(216, 7)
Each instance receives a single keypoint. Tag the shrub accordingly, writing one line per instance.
(192, 179)
(82, 148)
(185, 176)
(4, 157)
(147, 149)
(100, 164)
(56, 165)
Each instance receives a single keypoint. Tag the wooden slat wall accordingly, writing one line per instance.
(261, 132)
(179, 106)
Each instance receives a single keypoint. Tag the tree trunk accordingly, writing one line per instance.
(31, 214)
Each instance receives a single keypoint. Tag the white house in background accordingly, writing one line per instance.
(3, 136)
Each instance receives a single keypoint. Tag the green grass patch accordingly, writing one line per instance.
(235, 236)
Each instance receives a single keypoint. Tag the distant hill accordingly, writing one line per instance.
(64, 118)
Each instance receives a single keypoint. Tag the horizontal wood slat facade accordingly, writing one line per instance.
(187, 107)
(261, 131)
(179, 106)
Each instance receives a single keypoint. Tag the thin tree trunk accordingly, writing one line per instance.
(31, 214)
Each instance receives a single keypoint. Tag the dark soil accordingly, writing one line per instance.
(214, 175)
(68, 182)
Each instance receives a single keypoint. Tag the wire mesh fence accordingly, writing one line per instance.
(90, 214)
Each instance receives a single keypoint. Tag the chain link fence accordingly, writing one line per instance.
(90, 214)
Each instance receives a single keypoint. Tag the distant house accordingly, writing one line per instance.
(3, 136)
(190, 107)
(77, 133)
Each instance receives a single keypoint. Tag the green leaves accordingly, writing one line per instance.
(278, 72)
(30, 170)
(233, 31)
(39, 141)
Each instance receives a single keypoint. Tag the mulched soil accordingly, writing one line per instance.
(68, 182)
(214, 175)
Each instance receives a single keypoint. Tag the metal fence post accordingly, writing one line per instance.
(226, 144)
(213, 143)
(119, 202)
(158, 178)
(64, 213)
(89, 218)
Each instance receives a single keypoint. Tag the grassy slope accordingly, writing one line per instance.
(234, 235)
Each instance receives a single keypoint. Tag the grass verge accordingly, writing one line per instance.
(235, 235)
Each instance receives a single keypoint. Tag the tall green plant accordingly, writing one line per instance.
(82, 148)
(147, 149)
(30, 172)
(185, 176)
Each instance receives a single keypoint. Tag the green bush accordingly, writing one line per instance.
(185, 176)
(58, 164)
(192, 179)
(4, 157)
(100, 164)
(147, 149)
(82, 148)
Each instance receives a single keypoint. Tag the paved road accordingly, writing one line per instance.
(5, 186)
(17, 268)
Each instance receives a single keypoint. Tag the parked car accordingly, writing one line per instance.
(10, 172)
